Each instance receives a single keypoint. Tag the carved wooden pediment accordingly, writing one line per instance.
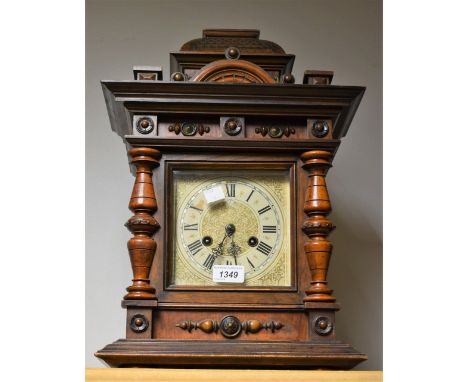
(232, 56)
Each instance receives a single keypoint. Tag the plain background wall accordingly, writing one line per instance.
(339, 35)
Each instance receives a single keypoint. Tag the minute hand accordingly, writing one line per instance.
(219, 250)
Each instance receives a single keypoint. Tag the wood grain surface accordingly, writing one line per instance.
(229, 375)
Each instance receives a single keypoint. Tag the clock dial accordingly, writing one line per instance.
(233, 220)
(232, 230)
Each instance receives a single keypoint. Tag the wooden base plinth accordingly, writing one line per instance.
(242, 354)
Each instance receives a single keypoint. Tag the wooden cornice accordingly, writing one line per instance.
(337, 102)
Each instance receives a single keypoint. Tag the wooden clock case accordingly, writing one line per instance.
(231, 101)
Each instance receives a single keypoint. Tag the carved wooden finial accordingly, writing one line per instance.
(317, 226)
(143, 225)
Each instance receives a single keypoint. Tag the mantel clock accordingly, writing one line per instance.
(229, 249)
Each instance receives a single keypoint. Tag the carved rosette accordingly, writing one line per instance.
(143, 225)
(139, 323)
(317, 226)
(323, 326)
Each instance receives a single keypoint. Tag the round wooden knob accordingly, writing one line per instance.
(177, 76)
(322, 324)
(231, 125)
(319, 127)
(138, 322)
(288, 78)
(232, 53)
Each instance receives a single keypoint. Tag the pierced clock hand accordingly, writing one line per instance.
(219, 249)
(233, 249)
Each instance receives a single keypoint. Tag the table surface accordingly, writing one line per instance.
(228, 375)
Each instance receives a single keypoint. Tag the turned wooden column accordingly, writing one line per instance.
(317, 226)
(143, 225)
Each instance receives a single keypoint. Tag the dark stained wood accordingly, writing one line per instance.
(147, 73)
(228, 353)
(247, 40)
(338, 103)
(219, 145)
(318, 77)
(218, 44)
(190, 63)
(230, 75)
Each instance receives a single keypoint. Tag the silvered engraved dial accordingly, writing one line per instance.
(244, 226)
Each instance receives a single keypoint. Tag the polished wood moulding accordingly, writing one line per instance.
(277, 354)
(229, 375)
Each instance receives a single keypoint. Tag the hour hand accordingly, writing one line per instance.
(233, 249)
(219, 249)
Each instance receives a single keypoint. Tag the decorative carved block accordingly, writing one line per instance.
(147, 73)
(145, 125)
(233, 126)
(317, 77)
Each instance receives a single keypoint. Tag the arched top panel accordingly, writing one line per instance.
(233, 71)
